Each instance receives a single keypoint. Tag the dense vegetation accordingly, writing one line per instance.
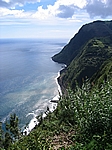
(87, 32)
(83, 118)
(87, 54)
(11, 133)
(82, 121)
(94, 57)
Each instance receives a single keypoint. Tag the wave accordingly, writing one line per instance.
(54, 102)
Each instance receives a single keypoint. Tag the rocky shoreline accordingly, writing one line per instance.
(61, 82)
(34, 122)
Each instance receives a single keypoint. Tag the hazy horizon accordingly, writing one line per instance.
(49, 18)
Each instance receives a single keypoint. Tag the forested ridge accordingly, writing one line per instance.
(83, 117)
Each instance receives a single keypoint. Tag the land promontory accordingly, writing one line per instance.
(87, 54)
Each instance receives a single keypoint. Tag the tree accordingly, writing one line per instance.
(12, 127)
(7, 140)
(1, 135)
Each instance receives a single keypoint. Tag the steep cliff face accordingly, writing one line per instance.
(86, 64)
(86, 54)
(89, 31)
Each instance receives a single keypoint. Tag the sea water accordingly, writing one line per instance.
(27, 77)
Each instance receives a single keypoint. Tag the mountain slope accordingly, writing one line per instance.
(83, 117)
(89, 31)
(88, 62)
(104, 72)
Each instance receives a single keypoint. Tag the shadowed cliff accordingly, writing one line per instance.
(86, 54)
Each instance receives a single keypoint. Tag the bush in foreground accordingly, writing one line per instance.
(82, 121)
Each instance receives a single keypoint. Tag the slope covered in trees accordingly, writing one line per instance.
(89, 62)
(82, 121)
(86, 54)
(87, 32)
(83, 118)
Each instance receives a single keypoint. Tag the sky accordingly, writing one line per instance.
(49, 18)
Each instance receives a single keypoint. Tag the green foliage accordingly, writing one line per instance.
(7, 140)
(91, 114)
(104, 72)
(12, 132)
(83, 118)
(86, 53)
(1, 136)
(82, 121)
(87, 32)
(93, 117)
(12, 127)
(94, 61)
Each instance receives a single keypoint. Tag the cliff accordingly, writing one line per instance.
(86, 54)
(83, 117)
(89, 31)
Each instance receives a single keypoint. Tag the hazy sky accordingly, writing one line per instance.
(49, 18)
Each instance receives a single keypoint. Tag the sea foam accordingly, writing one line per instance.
(53, 105)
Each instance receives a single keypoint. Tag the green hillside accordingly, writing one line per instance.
(83, 117)
(82, 121)
(89, 31)
(104, 73)
(88, 62)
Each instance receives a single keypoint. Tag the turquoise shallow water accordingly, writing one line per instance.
(27, 76)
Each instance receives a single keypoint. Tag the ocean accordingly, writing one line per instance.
(28, 77)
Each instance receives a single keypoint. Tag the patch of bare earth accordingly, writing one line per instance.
(62, 140)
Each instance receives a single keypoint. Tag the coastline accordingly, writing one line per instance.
(34, 122)
(56, 98)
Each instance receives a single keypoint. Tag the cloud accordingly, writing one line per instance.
(12, 3)
(78, 3)
(4, 12)
(102, 8)
(41, 13)
(3, 3)
(61, 9)
(66, 11)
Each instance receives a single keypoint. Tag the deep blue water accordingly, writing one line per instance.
(27, 76)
